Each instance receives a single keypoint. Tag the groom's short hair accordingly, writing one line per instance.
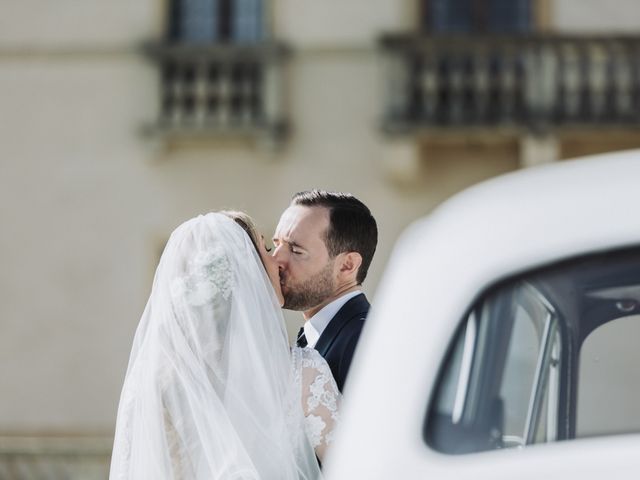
(352, 228)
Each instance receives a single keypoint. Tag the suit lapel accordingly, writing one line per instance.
(357, 306)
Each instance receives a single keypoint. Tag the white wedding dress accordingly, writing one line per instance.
(320, 397)
(212, 390)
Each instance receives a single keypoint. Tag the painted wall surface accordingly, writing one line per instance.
(595, 16)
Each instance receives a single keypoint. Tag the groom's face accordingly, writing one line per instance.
(306, 270)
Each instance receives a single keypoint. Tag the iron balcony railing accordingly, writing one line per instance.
(536, 82)
(220, 89)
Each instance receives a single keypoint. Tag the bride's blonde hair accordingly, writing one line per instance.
(247, 224)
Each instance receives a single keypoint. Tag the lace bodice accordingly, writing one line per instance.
(320, 397)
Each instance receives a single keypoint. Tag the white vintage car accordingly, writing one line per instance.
(504, 339)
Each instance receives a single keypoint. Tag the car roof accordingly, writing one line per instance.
(534, 216)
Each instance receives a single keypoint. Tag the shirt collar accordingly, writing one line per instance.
(314, 327)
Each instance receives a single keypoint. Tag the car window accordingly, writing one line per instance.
(518, 377)
(608, 393)
(538, 356)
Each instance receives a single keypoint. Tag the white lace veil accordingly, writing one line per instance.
(209, 392)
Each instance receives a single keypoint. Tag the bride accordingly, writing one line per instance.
(212, 390)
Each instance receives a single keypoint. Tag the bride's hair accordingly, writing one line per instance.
(247, 224)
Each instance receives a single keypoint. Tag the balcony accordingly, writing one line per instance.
(535, 83)
(213, 90)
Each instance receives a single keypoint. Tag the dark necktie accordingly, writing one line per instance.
(301, 341)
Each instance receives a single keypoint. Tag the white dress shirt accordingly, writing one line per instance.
(314, 327)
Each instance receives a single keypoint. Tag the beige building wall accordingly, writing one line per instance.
(88, 200)
(595, 16)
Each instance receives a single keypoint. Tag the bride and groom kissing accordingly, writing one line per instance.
(213, 389)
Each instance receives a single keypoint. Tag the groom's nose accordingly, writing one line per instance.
(280, 256)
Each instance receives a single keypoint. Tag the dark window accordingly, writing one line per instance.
(477, 16)
(216, 21)
(509, 16)
(450, 16)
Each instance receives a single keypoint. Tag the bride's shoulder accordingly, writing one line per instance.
(309, 357)
(305, 352)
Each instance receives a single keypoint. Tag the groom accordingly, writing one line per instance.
(324, 243)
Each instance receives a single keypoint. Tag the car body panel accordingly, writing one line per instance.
(439, 267)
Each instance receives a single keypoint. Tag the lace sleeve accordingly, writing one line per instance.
(320, 400)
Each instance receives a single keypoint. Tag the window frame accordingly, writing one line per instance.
(225, 20)
(540, 17)
(563, 287)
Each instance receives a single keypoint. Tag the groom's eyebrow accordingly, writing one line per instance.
(291, 243)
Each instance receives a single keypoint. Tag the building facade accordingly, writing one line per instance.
(122, 119)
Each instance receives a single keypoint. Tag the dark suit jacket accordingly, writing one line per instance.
(338, 341)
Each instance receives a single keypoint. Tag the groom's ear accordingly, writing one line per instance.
(349, 264)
